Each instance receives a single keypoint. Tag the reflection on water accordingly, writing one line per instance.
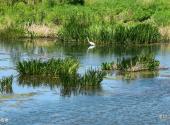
(136, 75)
(67, 87)
(45, 48)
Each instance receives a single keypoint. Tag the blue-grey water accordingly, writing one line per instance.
(141, 99)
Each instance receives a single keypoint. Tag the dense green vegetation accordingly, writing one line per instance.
(107, 65)
(63, 69)
(52, 67)
(136, 63)
(141, 33)
(93, 77)
(143, 21)
(6, 85)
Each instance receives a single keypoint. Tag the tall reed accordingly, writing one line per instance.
(93, 77)
(140, 33)
(77, 26)
(50, 67)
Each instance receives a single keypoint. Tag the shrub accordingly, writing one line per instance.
(120, 34)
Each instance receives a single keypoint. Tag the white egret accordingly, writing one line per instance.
(91, 43)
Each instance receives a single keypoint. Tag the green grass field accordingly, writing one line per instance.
(96, 19)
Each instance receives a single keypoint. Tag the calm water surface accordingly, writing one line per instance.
(134, 99)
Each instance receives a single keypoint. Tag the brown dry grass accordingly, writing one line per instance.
(165, 31)
(42, 30)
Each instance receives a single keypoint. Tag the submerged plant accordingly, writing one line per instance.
(6, 85)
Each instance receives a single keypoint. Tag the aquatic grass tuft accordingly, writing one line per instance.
(107, 66)
(6, 85)
(93, 77)
(52, 67)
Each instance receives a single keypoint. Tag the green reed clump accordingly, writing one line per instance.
(11, 33)
(107, 66)
(140, 33)
(32, 67)
(121, 34)
(93, 77)
(6, 85)
(70, 83)
(64, 70)
(52, 67)
(144, 33)
(77, 27)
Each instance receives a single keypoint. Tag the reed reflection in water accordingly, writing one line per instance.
(69, 87)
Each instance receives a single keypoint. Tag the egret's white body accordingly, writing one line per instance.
(91, 43)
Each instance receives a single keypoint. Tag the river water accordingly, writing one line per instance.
(140, 98)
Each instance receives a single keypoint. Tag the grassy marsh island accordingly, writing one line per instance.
(103, 21)
(134, 64)
(63, 69)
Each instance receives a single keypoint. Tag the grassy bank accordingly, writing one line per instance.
(104, 21)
